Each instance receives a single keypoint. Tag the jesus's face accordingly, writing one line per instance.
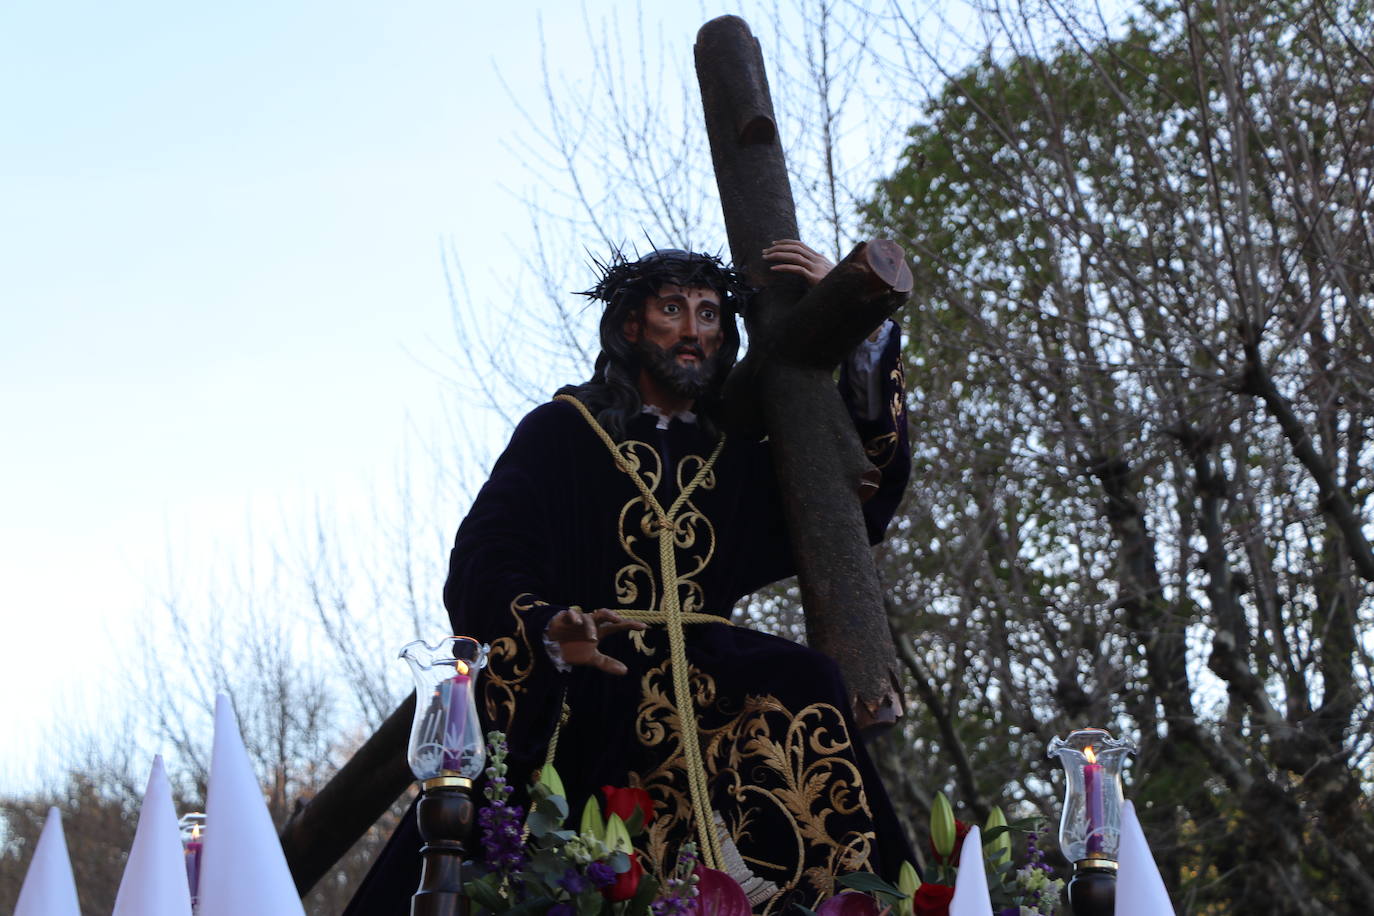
(677, 335)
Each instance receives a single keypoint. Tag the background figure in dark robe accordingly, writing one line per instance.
(559, 567)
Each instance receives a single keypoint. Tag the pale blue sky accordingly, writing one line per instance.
(220, 277)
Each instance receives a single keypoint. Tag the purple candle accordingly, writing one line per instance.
(1092, 791)
(192, 849)
(455, 699)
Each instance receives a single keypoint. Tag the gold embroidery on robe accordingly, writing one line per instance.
(882, 449)
(778, 765)
(694, 537)
(635, 582)
(694, 534)
(504, 680)
(793, 767)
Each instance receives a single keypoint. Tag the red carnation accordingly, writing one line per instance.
(624, 802)
(932, 899)
(626, 883)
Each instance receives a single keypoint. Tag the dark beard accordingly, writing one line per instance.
(686, 381)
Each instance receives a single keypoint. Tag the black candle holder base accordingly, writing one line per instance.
(1092, 889)
(444, 816)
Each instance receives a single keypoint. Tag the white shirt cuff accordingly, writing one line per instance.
(555, 650)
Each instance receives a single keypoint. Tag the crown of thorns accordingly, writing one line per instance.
(646, 275)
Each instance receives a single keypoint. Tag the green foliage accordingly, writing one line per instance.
(1142, 263)
(552, 864)
(646, 894)
(485, 892)
(868, 883)
(547, 811)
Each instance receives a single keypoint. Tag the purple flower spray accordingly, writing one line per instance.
(679, 890)
(501, 822)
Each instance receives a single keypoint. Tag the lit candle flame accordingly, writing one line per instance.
(195, 831)
(460, 666)
(1090, 754)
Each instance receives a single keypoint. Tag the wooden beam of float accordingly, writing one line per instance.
(321, 830)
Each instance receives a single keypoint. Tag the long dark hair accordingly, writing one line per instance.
(612, 393)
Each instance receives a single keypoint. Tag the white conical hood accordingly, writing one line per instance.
(971, 883)
(242, 869)
(49, 887)
(154, 882)
(1139, 887)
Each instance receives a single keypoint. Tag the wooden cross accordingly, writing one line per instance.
(785, 383)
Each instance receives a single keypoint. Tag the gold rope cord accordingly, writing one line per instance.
(553, 742)
(673, 618)
(549, 755)
(662, 617)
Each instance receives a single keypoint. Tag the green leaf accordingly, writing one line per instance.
(590, 902)
(549, 778)
(635, 825)
(592, 824)
(997, 836)
(484, 892)
(617, 836)
(529, 907)
(869, 883)
(646, 893)
(543, 822)
(548, 864)
(547, 812)
(556, 804)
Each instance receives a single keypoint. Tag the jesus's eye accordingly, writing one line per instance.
(707, 314)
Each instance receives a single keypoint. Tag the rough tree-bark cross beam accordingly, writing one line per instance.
(796, 338)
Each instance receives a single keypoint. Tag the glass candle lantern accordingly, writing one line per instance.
(446, 738)
(1090, 827)
(192, 829)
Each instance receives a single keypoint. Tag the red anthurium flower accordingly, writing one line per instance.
(718, 895)
(626, 883)
(850, 903)
(932, 899)
(624, 801)
(960, 831)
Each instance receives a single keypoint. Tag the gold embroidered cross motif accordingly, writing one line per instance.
(671, 615)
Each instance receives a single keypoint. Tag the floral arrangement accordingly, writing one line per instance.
(535, 864)
(1031, 890)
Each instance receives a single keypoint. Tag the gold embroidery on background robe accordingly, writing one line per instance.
(509, 664)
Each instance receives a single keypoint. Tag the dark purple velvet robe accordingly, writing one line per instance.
(558, 525)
